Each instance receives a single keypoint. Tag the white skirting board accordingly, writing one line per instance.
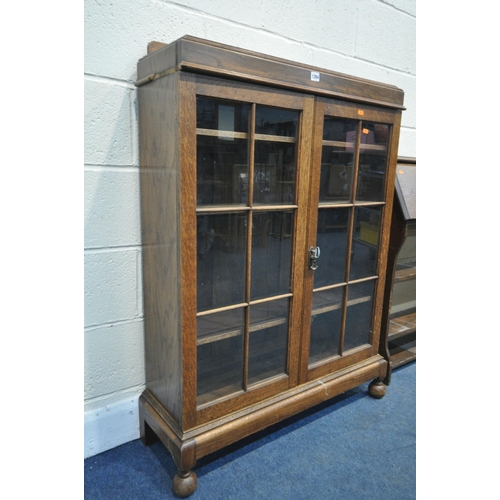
(111, 426)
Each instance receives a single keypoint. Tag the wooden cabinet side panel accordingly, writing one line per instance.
(159, 159)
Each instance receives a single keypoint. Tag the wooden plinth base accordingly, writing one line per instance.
(188, 446)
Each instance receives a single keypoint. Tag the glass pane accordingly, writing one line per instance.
(331, 238)
(326, 321)
(359, 314)
(403, 299)
(272, 237)
(218, 114)
(407, 256)
(275, 121)
(339, 129)
(268, 340)
(337, 161)
(337, 169)
(221, 260)
(365, 243)
(221, 170)
(219, 326)
(219, 355)
(274, 174)
(372, 162)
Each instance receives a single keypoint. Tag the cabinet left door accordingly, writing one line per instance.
(243, 192)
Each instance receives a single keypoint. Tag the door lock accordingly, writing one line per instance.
(314, 254)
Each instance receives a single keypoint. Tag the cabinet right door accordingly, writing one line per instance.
(351, 195)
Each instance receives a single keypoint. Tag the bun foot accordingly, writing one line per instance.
(184, 483)
(377, 389)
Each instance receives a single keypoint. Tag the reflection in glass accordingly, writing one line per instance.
(219, 355)
(221, 260)
(326, 321)
(337, 161)
(272, 238)
(338, 129)
(219, 114)
(274, 174)
(359, 314)
(221, 171)
(407, 256)
(403, 299)
(365, 242)
(218, 326)
(372, 162)
(276, 121)
(337, 168)
(268, 340)
(331, 238)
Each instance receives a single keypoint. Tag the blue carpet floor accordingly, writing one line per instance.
(352, 447)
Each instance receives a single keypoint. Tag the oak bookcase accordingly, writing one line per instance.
(266, 198)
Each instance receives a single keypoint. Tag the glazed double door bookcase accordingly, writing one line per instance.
(265, 215)
(251, 252)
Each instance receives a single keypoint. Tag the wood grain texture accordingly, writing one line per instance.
(158, 63)
(312, 222)
(376, 366)
(385, 229)
(296, 341)
(159, 184)
(187, 209)
(183, 450)
(204, 56)
(271, 411)
(187, 447)
(154, 46)
(170, 79)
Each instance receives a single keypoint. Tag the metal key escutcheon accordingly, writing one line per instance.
(314, 254)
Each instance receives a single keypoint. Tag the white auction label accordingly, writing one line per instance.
(314, 76)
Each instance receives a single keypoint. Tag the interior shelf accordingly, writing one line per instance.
(206, 338)
(400, 356)
(402, 325)
(350, 145)
(405, 275)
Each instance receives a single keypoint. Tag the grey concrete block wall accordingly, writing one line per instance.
(372, 39)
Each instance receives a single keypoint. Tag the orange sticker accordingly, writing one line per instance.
(361, 112)
(401, 172)
(366, 131)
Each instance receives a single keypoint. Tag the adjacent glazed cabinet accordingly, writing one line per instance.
(398, 339)
(266, 195)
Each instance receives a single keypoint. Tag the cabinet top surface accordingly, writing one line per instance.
(207, 57)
